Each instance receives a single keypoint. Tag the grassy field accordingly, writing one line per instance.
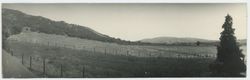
(113, 48)
(107, 65)
(101, 59)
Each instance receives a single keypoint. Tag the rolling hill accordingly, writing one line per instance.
(13, 21)
(171, 40)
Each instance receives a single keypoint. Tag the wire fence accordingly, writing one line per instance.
(42, 67)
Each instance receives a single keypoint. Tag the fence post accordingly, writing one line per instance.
(22, 58)
(127, 53)
(139, 54)
(150, 58)
(30, 62)
(105, 51)
(160, 56)
(44, 67)
(61, 74)
(11, 52)
(83, 71)
(116, 52)
(107, 74)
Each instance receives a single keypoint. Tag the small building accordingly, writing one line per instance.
(26, 29)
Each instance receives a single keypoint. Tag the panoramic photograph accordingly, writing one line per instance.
(124, 40)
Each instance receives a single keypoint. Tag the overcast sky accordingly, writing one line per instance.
(139, 21)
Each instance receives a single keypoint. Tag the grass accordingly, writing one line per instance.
(52, 40)
(99, 65)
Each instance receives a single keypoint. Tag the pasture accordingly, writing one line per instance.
(97, 64)
(60, 56)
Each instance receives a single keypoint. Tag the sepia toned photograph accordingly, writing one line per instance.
(124, 40)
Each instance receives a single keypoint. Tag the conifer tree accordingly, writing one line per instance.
(230, 60)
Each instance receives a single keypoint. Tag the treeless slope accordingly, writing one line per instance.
(12, 68)
(171, 40)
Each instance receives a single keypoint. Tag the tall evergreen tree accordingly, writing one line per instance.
(230, 60)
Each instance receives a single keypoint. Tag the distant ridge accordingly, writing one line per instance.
(170, 40)
(174, 40)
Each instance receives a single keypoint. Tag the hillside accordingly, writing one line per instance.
(13, 22)
(171, 40)
(73, 43)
